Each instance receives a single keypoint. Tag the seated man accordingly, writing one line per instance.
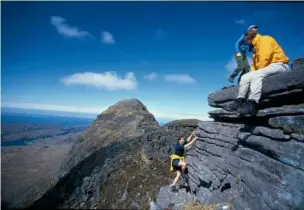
(241, 48)
(268, 59)
(178, 163)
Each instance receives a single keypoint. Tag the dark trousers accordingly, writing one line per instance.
(242, 66)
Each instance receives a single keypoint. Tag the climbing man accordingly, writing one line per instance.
(268, 59)
(178, 163)
(241, 48)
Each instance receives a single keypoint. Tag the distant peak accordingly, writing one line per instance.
(129, 105)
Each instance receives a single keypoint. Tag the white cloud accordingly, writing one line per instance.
(107, 80)
(231, 65)
(179, 78)
(107, 38)
(241, 21)
(66, 30)
(151, 76)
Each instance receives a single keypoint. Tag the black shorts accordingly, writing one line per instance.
(175, 165)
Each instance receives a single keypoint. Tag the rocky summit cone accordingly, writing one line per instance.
(129, 105)
(126, 118)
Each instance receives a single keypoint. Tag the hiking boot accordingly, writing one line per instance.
(235, 105)
(248, 108)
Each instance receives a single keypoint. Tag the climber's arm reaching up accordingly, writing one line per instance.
(189, 144)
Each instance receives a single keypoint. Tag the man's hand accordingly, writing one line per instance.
(238, 54)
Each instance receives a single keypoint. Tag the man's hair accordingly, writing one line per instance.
(180, 137)
(251, 34)
(252, 27)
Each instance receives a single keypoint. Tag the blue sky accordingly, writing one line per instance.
(86, 56)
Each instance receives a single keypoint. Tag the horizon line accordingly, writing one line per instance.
(80, 114)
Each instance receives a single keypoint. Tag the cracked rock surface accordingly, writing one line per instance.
(281, 89)
(249, 162)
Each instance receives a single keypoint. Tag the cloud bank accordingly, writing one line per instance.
(107, 38)
(107, 80)
(68, 31)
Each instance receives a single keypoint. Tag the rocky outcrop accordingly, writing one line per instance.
(285, 88)
(249, 162)
(298, 64)
(121, 161)
(261, 166)
(182, 127)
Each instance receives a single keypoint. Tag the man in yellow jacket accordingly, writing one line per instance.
(268, 59)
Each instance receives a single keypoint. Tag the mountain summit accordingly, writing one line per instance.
(126, 118)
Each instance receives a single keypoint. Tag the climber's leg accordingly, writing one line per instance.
(246, 69)
(256, 85)
(173, 185)
(243, 90)
(245, 84)
(178, 175)
(182, 165)
(257, 82)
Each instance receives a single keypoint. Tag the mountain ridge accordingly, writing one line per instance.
(125, 137)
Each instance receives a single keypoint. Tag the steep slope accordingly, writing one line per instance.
(127, 118)
(121, 161)
(249, 162)
(139, 177)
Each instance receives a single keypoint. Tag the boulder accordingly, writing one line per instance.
(182, 126)
(222, 115)
(298, 64)
(282, 89)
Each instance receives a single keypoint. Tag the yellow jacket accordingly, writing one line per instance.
(267, 51)
(174, 157)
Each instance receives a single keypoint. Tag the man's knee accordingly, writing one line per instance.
(245, 78)
(271, 69)
(182, 164)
